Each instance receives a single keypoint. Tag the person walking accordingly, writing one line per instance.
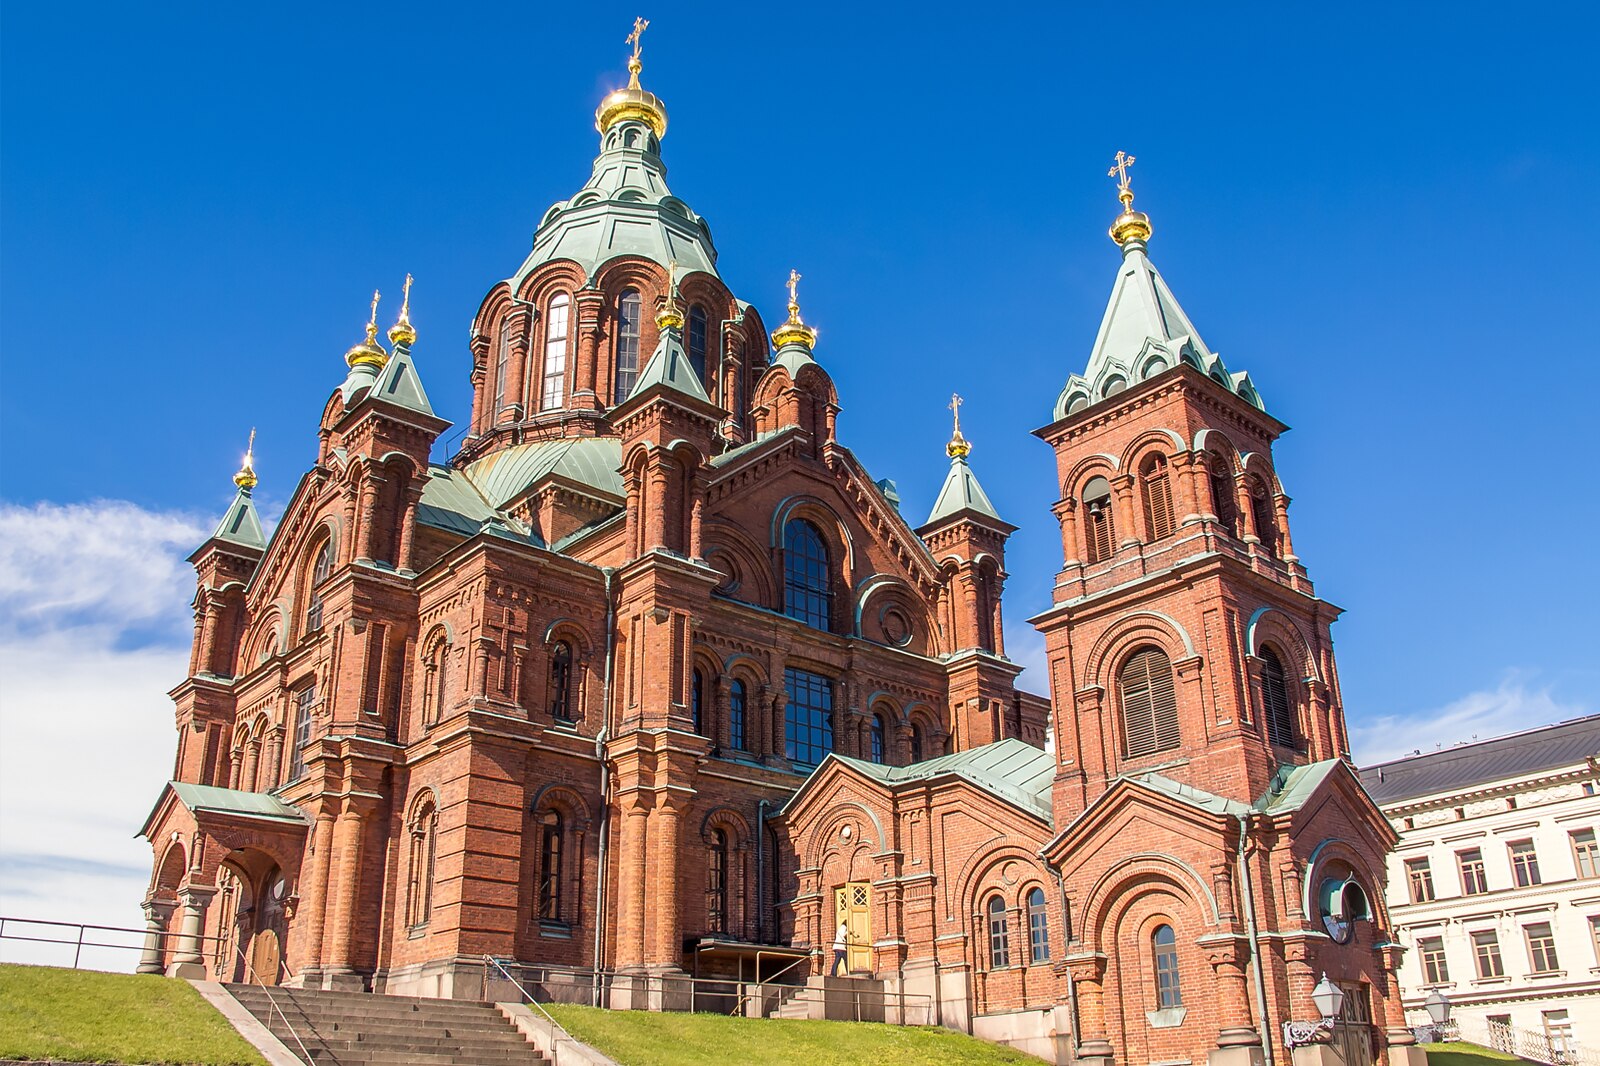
(841, 946)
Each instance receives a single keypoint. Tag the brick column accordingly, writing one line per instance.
(1066, 513)
(369, 515)
(408, 527)
(1188, 470)
(1126, 516)
(313, 889)
(347, 840)
(1229, 960)
(586, 375)
(1088, 972)
(156, 916)
(778, 702)
(347, 534)
(1395, 1030)
(667, 949)
(630, 879)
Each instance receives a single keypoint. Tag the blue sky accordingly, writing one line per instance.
(1385, 213)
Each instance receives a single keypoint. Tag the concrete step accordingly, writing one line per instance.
(365, 1029)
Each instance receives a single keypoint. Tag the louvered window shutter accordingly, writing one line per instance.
(1158, 500)
(1149, 704)
(1100, 533)
(1266, 521)
(1223, 499)
(1275, 694)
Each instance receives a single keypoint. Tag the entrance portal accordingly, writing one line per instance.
(852, 905)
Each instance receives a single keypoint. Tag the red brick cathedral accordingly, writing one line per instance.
(653, 678)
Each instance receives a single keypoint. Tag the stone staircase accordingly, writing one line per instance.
(840, 998)
(363, 1029)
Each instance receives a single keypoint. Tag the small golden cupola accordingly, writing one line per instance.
(246, 477)
(794, 331)
(633, 104)
(402, 334)
(1131, 225)
(368, 352)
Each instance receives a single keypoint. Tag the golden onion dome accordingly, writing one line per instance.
(1131, 225)
(633, 104)
(403, 334)
(368, 352)
(959, 447)
(794, 331)
(670, 316)
(246, 477)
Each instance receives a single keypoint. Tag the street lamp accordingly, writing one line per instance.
(1438, 1007)
(1328, 998)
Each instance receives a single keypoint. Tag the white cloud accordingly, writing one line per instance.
(93, 632)
(1513, 706)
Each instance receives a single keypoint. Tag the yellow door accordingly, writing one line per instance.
(852, 905)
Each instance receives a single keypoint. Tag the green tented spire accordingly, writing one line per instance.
(961, 493)
(240, 524)
(398, 383)
(669, 364)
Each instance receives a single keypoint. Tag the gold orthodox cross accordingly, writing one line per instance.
(1119, 170)
(639, 26)
(250, 449)
(672, 277)
(794, 286)
(372, 322)
(405, 298)
(955, 406)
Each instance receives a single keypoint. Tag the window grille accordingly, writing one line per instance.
(736, 737)
(1157, 497)
(807, 589)
(1169, 987)
(1279, 710)
(550, 870)
(999, 934)
(1038, 928)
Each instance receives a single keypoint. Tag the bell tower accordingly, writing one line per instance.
(1185, 636)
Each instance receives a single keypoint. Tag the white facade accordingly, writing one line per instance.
(1494, 889)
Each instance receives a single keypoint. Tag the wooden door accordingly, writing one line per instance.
(852, 905)
(1352, 1032)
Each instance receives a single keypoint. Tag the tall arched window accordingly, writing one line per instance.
(916, 743)
(1264, 515)
(736, 737)
(560, 687)
(304, 701)
(808, 716)
(697, 702)
(1097, 524)
(697, 341)
(554, 393)
(999, 934)
(550, 869)
(502, 369)
(424, 848)
(627, 344)
(878, 746)
(1164, 946)
(1157, 490)
(1224, 501)
(436, 696)
(1279, 711)
(1149, 703)
(717, 882)
(1038, 928)
(321, 567)
(807, 592)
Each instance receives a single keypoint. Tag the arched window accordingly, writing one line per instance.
(554, 392)
(1157, 490)
(807, 593)
(304, 701)
(1164, 946)
(877, 739)
(627, 344)
(697, 341)
(550, 869)
(436, 696)
(736, 737)
(502, 368)
(1149, 703)
(321, 567)
(697, 702)
(1264, 515)
(1038, 928)
(808, 716)
(1278, 710)
(424, 848)
(1224, 501)
(1097, 524)
(916, 743)
(999, 934)
(717, 882)
(560, 689)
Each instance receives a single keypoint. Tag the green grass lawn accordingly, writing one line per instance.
(645, 1038)
(1461, 1053)
(84, 1016)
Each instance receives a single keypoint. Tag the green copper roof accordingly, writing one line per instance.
(669, 366)
(1143, 333)
(240, 524)
(1290, 790)
(505, 474)
(450, 502)
(232, 801)
(792, 357)
(1010, 769)
(624, 209)
(961, 493)
(357, 382)
(399, 384)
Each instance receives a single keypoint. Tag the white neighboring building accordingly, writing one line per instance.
(1495, 884)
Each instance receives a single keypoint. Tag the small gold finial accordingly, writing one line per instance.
(402, 334)
(634, 66)
(246, 477)
(959, 447)
(794, 331)
(369, 350)
(671, 314)
(1131, 225)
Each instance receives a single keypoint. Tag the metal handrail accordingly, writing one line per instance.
(526, 995)
(249, 969)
